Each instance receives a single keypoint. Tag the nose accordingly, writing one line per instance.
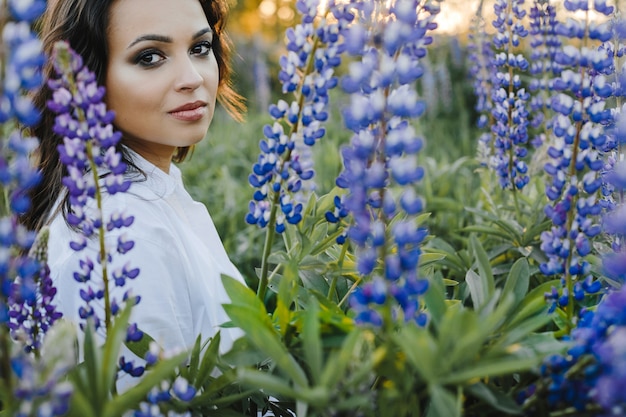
(188, 76)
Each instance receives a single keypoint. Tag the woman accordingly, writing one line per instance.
(163, 63)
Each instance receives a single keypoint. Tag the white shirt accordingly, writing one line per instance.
(179, 254)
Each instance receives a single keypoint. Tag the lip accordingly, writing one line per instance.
(190, 112)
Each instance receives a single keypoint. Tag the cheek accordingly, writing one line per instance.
(129, 94)
(212, 77)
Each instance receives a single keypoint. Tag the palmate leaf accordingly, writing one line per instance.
(248, 313)
(534, 303)
(443, 403)
(421, 351)
(494, 398)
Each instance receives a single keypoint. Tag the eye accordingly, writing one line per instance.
(149, 58)
(202, 48)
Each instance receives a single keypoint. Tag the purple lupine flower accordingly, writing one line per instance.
(510, 111)
(22, 61)
(380, 164)
(483, 71)
(41, 383)
(307, 69)
(593, 370)
(159, 399)
(94, 166)
(32, 317)
(26, 291)
(577, 161)
(544, 43)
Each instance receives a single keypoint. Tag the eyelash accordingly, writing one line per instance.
(139, 60)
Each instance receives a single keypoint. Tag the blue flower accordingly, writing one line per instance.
(484, 72)
(380, 166)
(510, 113)
(579, 144)
(592, 370)
(94, 166)
(307, 69)
(545, 44)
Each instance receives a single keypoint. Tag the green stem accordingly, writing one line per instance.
(569, 280)
(5, 366)
(269, 235)
(267, 249)
(352, 288)
(101, 238)
(333, 283)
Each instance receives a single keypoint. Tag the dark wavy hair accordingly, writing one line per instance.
(84, 24)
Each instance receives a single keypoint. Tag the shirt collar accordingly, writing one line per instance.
(157, 180)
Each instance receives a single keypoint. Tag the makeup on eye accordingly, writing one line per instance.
(141, 58)
(152, 57)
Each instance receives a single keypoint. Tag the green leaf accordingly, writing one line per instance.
(189, 372)
(429, 258)
(80, 405)
(484, 266)
(141, 347)
(495, 398)
(478, 288)
(420, 349)
(339, 361)
(522, 329)
(240, 295)
(311, 340)
(266, 382)
(211, 391)
(487, 230)
(517, 281)
(119, 405)
(461, 336)
(282, 313)
(435, 300)
(111, 349)
(490, 368)
(260, 332)
(534, 303)
(209, 360)
(442, 403)
(92, 368)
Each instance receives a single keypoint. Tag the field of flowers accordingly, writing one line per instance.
(428, 225)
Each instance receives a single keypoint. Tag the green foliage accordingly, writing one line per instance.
(94, 379)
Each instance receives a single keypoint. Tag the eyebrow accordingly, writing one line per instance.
(166, 39)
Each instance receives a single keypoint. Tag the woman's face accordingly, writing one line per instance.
(162, 76)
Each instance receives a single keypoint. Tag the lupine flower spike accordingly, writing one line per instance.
(307, 70)
(94, 168)
(577, 155)
(31, 317)
(483, 71)
(510, 98)
(29, 382)
(380, 164)
(545, 43)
